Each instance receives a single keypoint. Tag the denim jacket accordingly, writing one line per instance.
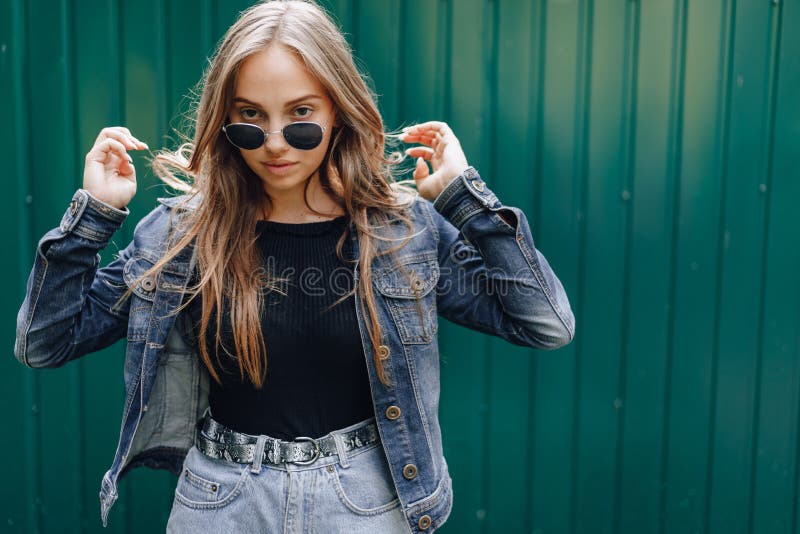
(471, 260)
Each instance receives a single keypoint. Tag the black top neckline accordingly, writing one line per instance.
(308, 228)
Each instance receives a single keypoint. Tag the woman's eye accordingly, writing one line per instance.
(248, 113)
(303, 112)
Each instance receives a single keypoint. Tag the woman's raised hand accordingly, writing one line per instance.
(442, 150)
(108, 174)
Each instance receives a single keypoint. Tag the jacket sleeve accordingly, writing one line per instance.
(492, 278)
(69, 307)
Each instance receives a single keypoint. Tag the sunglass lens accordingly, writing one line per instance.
(303, 135)
(245, 136)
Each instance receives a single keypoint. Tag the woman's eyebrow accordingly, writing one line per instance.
(290, 103)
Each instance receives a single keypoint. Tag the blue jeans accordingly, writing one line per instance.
(351, 493)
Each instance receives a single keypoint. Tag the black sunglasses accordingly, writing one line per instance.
(300, 135)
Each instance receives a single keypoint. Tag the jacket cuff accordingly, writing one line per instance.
(91, 218)
(465, 196)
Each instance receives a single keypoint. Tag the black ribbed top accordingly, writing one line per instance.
(316, 379)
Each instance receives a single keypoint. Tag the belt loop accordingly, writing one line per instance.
(340, 450)
(258, 454)
(277, 457)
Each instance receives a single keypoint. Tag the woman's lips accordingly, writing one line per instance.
(279, 168)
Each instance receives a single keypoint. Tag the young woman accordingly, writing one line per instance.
(281, 316)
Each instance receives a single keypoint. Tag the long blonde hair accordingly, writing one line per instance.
(356, 172)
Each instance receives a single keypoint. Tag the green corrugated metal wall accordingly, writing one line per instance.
(655, 146)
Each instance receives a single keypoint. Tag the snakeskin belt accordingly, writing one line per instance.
(217, 441)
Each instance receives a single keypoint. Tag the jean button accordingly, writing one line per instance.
(425, 522)
(417, 282)
(477, 184)
(393, 412)
(383, 352)
(410, 471)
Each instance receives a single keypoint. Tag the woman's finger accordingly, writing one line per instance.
(423, 139)
(126, 168)
(416, 138)
(420, 152)
(123, 135)
(109, 146)
(431, 125)
(421, 171)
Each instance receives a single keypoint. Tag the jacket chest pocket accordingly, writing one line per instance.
(408, 291)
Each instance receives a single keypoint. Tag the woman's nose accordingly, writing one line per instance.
(275, 141)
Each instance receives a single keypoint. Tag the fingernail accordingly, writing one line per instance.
(407, 128)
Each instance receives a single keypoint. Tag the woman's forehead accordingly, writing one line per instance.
(276, 77)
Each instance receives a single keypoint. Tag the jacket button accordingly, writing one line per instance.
(392, 412)
(417, 282)
(425, 522)
(383, 352)
(148, 284)
(410, 471)
(477, 184)
(73, 207)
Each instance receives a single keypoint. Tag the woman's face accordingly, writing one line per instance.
(274, 88)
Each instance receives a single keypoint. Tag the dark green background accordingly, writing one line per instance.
(654, 145)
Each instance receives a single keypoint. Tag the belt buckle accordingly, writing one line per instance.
(317, 451)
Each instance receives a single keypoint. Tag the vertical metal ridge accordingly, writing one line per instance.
(164, 66)
(675, 151)
(490, 35)
(536, 73)
(207, 35)
(772, 97)
(442, 58)
(21, 85)
(36, 388)
(628, 155)
(117, 18)
(402, 59)
(354, 19)
(582, 128)
(77, 375)
(539, 106)
(724, 112)
(447, 102)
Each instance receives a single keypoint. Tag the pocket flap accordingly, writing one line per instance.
(135, 268)
(410, 279)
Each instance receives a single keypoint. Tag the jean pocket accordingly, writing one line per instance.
(365, 487)
(208, 483)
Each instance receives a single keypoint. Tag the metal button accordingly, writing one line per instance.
(213, 487)
(393, 412)
(73, 207)
(330, 469)
(186, 472)
(417, 282)
(477, 184)
(148, 284)
(383, 352)
(425, 522)
(410, 471)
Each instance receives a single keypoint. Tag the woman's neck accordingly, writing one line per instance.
(291, 207)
